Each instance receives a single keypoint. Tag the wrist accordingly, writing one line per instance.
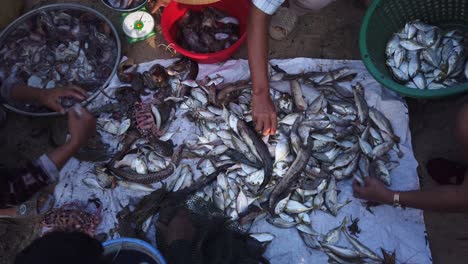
(73, 144)
(39, 95)
(388, 197)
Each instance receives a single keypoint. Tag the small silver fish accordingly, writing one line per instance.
(333, 235)
(411, 45)
(281, 223)
(263, 237)
(331, 197)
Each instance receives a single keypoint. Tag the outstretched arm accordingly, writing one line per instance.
(441, 198)
(263, 110)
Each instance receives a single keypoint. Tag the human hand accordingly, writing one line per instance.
(155, 5)
(82, 126)
(51, 97)
(373, 190)
(264, 114)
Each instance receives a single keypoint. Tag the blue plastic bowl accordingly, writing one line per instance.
(119, 244)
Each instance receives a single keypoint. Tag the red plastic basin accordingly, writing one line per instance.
(174, 11)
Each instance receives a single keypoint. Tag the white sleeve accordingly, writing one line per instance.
(48, 167)
(268, 6)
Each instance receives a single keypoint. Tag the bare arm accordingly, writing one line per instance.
(62, 154)
(264, 113)
(257, 38)
(81, 129)
(23, 93)
(441, 198)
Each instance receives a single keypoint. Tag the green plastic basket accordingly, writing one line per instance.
(385, 17)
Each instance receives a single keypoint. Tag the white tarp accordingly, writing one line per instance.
(402, 230)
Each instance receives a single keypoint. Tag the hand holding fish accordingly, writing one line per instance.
(373, 190)
(51, 98)
(264, 114)
(82, 127)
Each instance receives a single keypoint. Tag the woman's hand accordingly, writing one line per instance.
(264, 114)
(51, 97)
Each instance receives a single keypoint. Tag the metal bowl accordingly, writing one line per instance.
(106, 3)
(4, 34)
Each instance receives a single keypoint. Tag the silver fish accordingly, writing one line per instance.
(310, 240)
(289, 119)
(333, 235)
(281, 205)
(382, 123)
(382, 149)
(360, 101)
(420, 81)
(392, 45)
(243, 148)
(281, 149)
(92, 183)
(295, 207)
(317, 105)
(344, 252)
(342, 160)
(380, 171)
(360, 247)
(296, 92)
(242, 203)
(414, 64)
(135, 186)
(263, 237)
(411, 45)
(281, 223)
(307, 229)
(398, 57)
(331, 197)
(400, 75)
(318, 200)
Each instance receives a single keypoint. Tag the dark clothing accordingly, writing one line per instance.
(75, 247)
(19, 185)
(180, 252)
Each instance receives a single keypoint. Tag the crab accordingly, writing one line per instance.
(146, 123)
(74, 216)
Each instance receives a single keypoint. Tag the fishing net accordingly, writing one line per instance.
(217, 239)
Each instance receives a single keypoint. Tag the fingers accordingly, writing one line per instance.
(274, 124)
(73, 93)
(259, 124)
(79, 90)
(266, 126)
(58, 108)
(357, 189)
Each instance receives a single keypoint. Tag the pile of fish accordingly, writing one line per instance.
(422, 56)
(58, 48)
(124, 4)
(334, 137)
(320, 141)
(210, 30)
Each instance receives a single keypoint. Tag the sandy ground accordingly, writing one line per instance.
(332, 33)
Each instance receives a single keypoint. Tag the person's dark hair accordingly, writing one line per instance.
(62, 247)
